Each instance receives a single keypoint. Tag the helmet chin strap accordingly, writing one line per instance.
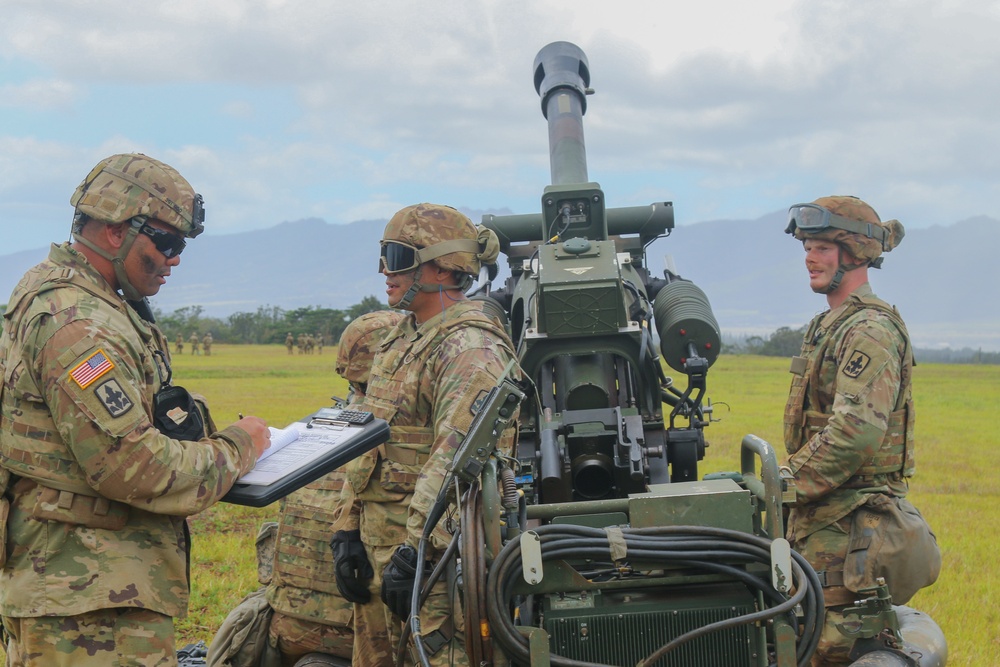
(117, 261)
(839, 276)
(417, 286)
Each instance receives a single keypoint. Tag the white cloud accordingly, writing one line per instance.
(728, 104)
(381, 207)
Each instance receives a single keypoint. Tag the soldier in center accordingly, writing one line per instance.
(425, 381)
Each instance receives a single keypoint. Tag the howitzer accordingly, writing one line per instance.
(584, 313)
(599, 544)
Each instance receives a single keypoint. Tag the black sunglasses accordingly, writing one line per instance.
(169, 244)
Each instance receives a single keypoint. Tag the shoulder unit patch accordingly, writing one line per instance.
(113, 398)
(856, 364)
(478, 402)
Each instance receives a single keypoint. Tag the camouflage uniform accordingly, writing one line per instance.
(206, 344)
(194, 343)
(180, 344)
(424, 382)
(848, 424)
(849, 417)
(289, 342)
(357, 348)
(310, 615)
(97, 495)
(849, 434)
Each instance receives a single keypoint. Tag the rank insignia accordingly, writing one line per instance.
(114, 400)
(91, 368)
(856, 364)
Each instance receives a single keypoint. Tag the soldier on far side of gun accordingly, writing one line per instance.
(849, 423)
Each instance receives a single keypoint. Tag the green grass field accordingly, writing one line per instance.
(958, 453)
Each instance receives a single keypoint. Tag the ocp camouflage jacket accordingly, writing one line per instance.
(849, 418)
(97, 494)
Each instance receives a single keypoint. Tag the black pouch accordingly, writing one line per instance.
(177, 415)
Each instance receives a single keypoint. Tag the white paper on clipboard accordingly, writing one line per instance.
(293, 448)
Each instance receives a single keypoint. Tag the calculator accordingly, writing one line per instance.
(339, 416)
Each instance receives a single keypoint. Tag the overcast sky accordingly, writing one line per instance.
(279, 110)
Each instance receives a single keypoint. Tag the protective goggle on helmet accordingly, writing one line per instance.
(814, 219)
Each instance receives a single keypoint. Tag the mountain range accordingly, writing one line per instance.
(941, 277)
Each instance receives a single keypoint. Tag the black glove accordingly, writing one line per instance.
(351, 566)
(397, 581)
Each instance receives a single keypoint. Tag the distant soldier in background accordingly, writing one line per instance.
(849, 423)
(195, 341)
(311, 623)
(301, 342)
(180, 343)
(309, 344)
(319, 343)
(206, 343)
(289, 342)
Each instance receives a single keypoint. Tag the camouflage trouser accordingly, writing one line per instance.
(826, 550)
(377, 630)
(103, 638)
(295, 638)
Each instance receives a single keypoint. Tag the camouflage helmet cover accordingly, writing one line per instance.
(360, 342)
(124, 186)
(445, 236)
(862, 247)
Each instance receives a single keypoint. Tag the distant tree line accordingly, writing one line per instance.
(784, 342)
(269, 324)
(787, 342)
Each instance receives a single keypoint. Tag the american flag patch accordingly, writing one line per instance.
(92, 368)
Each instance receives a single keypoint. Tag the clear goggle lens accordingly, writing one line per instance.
(808, 218)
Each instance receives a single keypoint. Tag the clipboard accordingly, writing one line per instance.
(316, 448)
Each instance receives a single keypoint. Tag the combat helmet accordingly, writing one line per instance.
(135, 188)
(360, 342)
(122, 187)
(440, 234)
(850, 223)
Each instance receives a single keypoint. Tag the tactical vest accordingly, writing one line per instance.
(30, 444)
(398, 462)
(303, 583)
(802, 420)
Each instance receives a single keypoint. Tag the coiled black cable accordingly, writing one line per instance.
(715, 550)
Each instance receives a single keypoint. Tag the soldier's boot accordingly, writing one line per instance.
(321, 660)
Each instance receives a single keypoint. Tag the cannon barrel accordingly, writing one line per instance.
(580, 305)
(562, 80)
